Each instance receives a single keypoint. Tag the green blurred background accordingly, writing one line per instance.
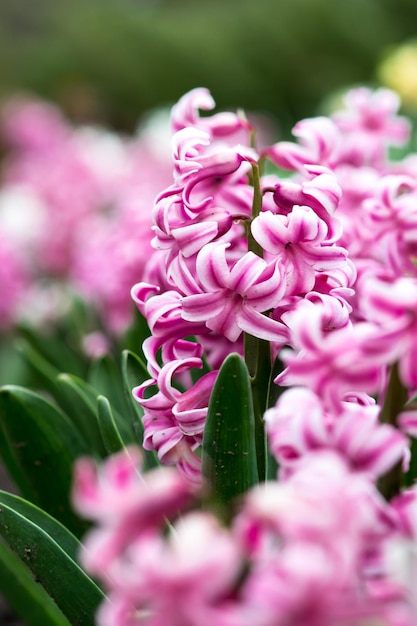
(110, 60)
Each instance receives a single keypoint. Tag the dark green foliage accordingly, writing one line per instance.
(229, 452)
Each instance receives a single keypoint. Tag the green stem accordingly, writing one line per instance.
(257, 351)
(258, 362)
(253, 245)
(395, 399)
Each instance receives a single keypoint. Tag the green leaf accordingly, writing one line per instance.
(55, 350)
(39, 444)
(52, 526)
(112, 439)
(137, 332)
(134, 373)
(411, 401)
(274, 392)
(229, 451)
(44, 374)
(106, 379)
(33, 538)
(24, 594)
(394, 401)
(83, 400)
(410, 478)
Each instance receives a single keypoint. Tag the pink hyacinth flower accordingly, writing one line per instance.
(393, 305)
(347, 359)
(307, 540)
(319, 141)
(124, 503)
(177, 579)
(299, 240)
(225, 125)
(374, 113)
(235, 298)
(299, 424)
(320, 191)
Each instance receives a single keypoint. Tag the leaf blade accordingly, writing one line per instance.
(38, 441)
(112, 439)
(75, 594)
(24, 594)
(229, 453)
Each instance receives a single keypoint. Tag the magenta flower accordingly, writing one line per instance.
(319, 141)
(309, 539)
(369, 124)
(392, 217)
(393, 305)
(234, 298)
(175, 579)
(299, 241)
(32, 125)
(344, 360)
(189, 408)
(320, 191)
(124, 504)
(225, 125)
(299, 424)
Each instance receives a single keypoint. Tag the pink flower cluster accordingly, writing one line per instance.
(320, 548)
(308, 261)
(319, 261)
(74, 207)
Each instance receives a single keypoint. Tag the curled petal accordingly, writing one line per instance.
(212, 267)
(194, 237)
(323, 188)
(185, 112)
(214, 166)
(141, 292)
(246, 272)
(319, 141)
(269, 290)
(191, 409)
(201, 306)
(261, 326)
(187, 144)
(225, 322)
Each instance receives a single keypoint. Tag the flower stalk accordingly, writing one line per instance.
(257, 351)
(395, 399)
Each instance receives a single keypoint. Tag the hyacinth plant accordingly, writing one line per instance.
(260, 468)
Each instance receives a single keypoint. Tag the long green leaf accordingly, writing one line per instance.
(53, 567)
(136, 334)
(24, 594)
(229, 451)
(55, 350)
(110, 433)
(57, 531)
(105, 377)
(43, 374)
(39, 444)
(394, 400)
(274, 392)
(83, 414)
(134, 373)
